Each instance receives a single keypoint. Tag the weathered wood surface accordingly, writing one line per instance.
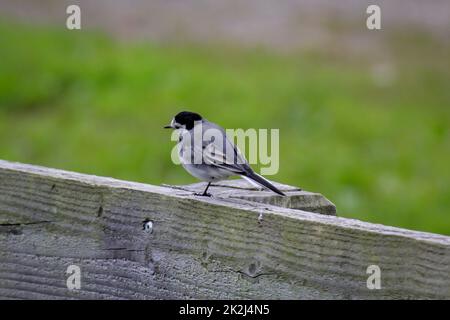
(241, 189)
(219, 247)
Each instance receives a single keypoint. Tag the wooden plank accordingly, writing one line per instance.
(199, 247)
(241, 189)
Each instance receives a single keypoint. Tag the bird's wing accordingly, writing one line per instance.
(226, 156)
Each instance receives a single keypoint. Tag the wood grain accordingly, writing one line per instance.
(199, 247)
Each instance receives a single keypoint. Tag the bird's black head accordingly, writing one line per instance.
(185, 119)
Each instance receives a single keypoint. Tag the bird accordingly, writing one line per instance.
(211, 157)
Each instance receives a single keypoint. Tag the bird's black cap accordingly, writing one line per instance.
(188, 119)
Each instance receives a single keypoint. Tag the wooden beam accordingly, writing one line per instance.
(197, 247)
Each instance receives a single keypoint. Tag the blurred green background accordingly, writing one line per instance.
(371, 136)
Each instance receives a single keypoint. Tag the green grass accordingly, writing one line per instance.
(83, 102)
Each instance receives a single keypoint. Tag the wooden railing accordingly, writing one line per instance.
(133, 241)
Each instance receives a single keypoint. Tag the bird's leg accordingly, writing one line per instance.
(205, 193)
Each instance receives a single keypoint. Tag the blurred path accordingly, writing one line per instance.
(281, 24)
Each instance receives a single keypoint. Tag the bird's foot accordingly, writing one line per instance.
(203, 194)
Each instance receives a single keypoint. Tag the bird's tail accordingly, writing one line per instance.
(262, 182)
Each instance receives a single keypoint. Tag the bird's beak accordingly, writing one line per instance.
(168, 127)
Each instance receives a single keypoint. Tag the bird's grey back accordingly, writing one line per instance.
(235, 159)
